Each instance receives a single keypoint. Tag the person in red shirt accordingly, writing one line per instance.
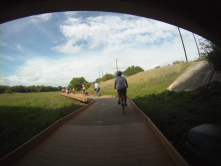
(83, 89)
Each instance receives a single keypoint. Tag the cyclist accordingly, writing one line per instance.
(96, 88)
(73, 90)
(83, 90)
(122, 86)
(67, 90)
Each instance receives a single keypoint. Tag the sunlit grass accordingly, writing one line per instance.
(148, 82)
(24, 115)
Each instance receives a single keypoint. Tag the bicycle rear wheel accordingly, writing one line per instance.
(122, 103)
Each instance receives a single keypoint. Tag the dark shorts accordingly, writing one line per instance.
(97, 90)
(122, 91)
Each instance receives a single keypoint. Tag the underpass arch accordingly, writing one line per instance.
(200, 17)
(22, 8)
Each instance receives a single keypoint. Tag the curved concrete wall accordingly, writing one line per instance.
(199, 16)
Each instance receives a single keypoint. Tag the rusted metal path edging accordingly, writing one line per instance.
(177, 158)
(20, 151)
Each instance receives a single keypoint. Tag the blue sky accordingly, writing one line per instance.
(51, 49)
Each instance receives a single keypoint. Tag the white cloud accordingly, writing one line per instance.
(34, 78)
(19, 47)
(13, 27)
(8, 57)
(93, 44)
(71, 13)
(114, 30)
(12, 58)
(17, 26)
(6, 81)
(26, 72)
(41, 18)
(67, 48)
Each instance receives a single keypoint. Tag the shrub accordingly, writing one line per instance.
(212, 51)
(8, 90)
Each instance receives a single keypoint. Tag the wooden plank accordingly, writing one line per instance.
(118, 140)
(178, 159)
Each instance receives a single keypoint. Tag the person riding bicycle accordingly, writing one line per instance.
(67, 90)
(96, 88)
(73, 90)
(122, 86)
(83, 90)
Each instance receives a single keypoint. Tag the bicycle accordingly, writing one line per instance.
(95, 94)
(122, 102)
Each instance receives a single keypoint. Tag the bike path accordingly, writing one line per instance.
(100, 135)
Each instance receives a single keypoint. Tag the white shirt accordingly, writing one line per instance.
(121, 82)
(96, 85)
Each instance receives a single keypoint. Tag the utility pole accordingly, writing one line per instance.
(196, 45)
(116, 64)
(183, 44)
(102, 73)
(99, 74)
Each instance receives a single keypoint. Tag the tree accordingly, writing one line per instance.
(77, 83)
(19, 88)
(212, 52)
(59, 88)
(107, 77)
(98, 80)
(40, 88)
(8, 90)
(31, 88)
(2, 88)
(132, 70)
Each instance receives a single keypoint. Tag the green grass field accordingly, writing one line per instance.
(24, 115)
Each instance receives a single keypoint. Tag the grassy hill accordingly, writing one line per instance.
(152, 81)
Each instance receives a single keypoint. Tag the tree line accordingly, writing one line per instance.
(78, 82)
(25, 89)
(128, 72)
(74, 83)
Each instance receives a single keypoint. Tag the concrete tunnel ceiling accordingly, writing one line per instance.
(199, 16)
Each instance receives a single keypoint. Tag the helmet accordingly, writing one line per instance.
(119, 73)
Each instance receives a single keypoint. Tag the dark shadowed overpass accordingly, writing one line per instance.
(199, 16)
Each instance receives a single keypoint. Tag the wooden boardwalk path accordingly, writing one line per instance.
(101, 135)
